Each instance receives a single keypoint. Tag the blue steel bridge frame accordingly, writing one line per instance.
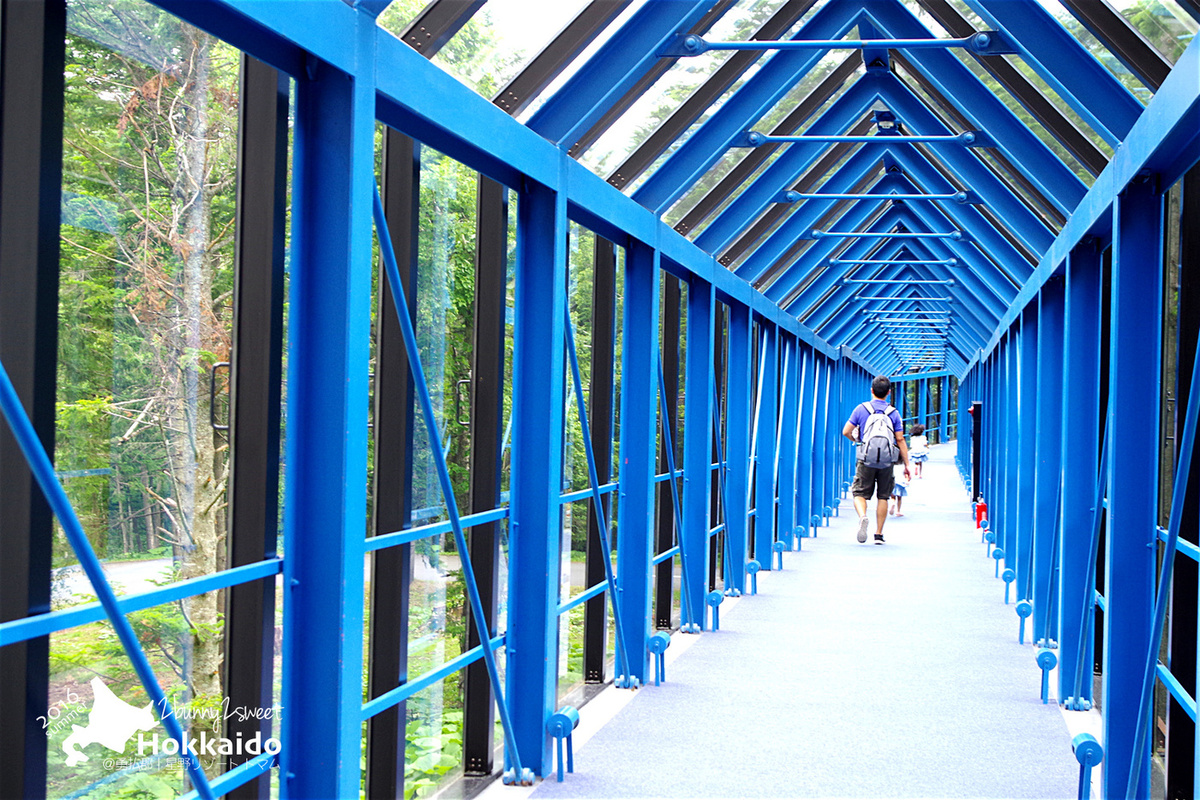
(784, 334)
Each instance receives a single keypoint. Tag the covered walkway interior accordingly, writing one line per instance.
(857, 671)
(387, 384)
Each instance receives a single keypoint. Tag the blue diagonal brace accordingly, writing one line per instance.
(688, 624)
(627, 681)
(519, 773)
(43, 472)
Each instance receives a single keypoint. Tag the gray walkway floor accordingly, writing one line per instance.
(858, 671)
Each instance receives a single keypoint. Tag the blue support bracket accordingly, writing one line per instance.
(43, 472)
(958, 236)
(752, 568)
(1046, 661)
(658, 644)
(779, 546)
(561, 726)
(1088, 753)
(793, 196)
(998, 554)
(982, 42)
(1024, 609)
(1009, 575)
(966, 139)
(714, 599)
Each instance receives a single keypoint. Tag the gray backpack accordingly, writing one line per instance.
(878, 437)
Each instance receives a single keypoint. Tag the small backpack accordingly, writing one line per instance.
(878, 437)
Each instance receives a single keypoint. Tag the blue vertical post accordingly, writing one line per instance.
(737, 451)
(326, 464)
(947, 403)
(639, 420)
(847, 381)
(923, 402)
(820, 451)
(764, 473)
(1081, 372)
(786, 457)
(1010, 511)
(536, 522)
(1134, 380)
(1048, 444)
(1026, 466)
(697, 442)
(804, 437)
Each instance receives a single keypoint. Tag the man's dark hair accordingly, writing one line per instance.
(881, 386)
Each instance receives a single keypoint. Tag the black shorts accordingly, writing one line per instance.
(866, 479)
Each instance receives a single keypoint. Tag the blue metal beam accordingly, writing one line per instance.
(1048, 396)
(985, 110)
(1061, 61)
(325, 505)
(639, 419)
(1134, 380)
(697, 443)
(747, 105)
(537, 420)
(613, 70)
(1081, 371)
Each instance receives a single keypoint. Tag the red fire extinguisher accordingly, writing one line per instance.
(980, 512)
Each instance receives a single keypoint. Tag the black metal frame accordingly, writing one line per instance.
(1008, 76)
(437, 23)
(255, 398)
(31, 133)
(600, 421)
(1122, 39)
(665, 514)
(554, 57)
(487, 400)
(660, 68)
(1181, 640)
(391, 568)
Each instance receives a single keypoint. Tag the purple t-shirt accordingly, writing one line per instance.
(859, 416)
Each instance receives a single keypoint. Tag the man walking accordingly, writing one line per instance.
(879, 433)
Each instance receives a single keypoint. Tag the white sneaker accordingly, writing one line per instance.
(863, 523)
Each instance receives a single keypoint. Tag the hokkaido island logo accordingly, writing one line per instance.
(112, 722)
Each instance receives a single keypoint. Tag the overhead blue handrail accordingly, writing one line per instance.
(1183, 466)
(624, 680)
(43, 472)
(688, 624)
(519, 774)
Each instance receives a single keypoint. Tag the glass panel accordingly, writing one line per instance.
(150, 137)
(445, 327)
(433, 755)
(437, 626)
(145, 329)
(498, 41)
(1162, 22)
(92, 682)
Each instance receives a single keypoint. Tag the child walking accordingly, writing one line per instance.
(918, 451)
(900, 490)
